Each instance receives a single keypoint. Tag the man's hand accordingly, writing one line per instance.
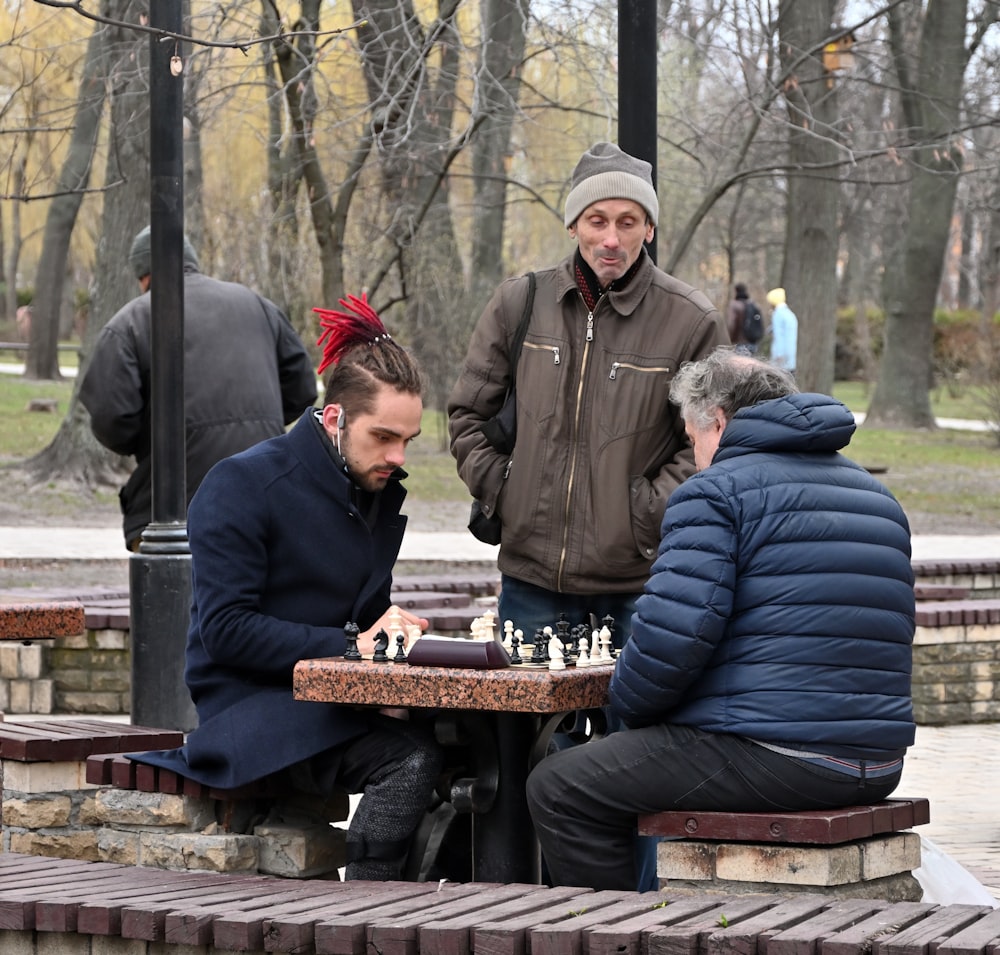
(390, 621)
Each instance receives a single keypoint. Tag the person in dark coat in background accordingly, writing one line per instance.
(290, 541)
(735, 313)
(770, 658)
(246, 376)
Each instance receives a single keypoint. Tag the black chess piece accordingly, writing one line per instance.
(400, 656)
(541, 651)
(381, 645)
(515, 656)
(351, 631)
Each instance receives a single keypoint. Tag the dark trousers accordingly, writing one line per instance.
(395, 766)
(584, 800)
(529, 608)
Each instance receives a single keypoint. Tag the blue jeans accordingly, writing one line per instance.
(584, 800)
(532, 608)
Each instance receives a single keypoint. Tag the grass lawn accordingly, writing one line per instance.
(945, 479)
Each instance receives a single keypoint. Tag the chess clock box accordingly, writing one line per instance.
(434, 651)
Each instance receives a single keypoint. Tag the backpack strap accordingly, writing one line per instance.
(522, 331)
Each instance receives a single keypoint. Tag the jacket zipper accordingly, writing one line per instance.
(641, 368)
(576, 434)
(552, 348)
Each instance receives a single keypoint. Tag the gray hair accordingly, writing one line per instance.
(726, 380)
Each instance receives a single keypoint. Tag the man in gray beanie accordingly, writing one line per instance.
(599, 447)
(246, 376)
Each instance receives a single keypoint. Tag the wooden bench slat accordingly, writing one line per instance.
(981, 935)
(453, 935)
(859, 939)
(146, 920)
(75, 740)
(819, 827)
(688, 937)
(626, 937)
(927, 934)
(290, 929)
(566, 937)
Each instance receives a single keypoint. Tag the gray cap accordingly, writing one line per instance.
(605, 172)
(140, 256)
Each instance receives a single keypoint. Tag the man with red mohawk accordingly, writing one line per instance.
(290, 541)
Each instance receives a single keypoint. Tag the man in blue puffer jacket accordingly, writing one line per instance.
(769, 664)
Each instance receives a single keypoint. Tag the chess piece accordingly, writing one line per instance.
(488, 631)
(519, 636)
(400, 656)
(508, 633)
(395, 621)
(556, 661)
(413, 632)
(546, 640)
(351, 631)
(583, 656)
(609, 622)
(381, 645)
(515, 642)
(607, 655)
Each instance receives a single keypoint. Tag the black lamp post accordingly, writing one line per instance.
(160, 574)
(637, 83)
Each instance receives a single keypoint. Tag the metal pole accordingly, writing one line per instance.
(637, 83)
(160, 574)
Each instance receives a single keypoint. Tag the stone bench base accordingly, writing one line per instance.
(856, 852)
(50, 809)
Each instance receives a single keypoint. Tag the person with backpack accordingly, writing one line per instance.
(744, 320)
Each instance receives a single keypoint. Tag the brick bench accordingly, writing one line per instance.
(980, 575)
(940, 591)
(27, 628)
(68, 792)
(857, 852)
(54, 906)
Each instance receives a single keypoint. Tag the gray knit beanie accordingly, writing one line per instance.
(605, 172)
(140, 257)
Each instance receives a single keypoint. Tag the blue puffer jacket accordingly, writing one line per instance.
(781, 606)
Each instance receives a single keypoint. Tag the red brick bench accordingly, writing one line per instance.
(940, 591)
(858, 851)
(139, 909)
(950, 613)
(69, 792)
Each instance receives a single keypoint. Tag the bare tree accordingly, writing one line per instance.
(74, 178)
(74, 453)
(931, 56)
(814, 153)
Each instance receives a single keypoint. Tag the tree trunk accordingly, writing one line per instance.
(50, 277)
(74, 453)
(297, 64)
(931, 107)
(499, 87)
(809, 275)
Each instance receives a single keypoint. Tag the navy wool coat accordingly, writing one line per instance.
(781, 606)
(281, 560)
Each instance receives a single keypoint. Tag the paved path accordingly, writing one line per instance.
(105, 543)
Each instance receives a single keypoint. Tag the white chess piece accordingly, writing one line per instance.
(508, 632)
(488, 631)
(606, 655)
(413, 632)
(556, 661)
(583, 657)
(395, 622)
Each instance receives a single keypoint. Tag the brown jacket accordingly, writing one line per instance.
(599, 446)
